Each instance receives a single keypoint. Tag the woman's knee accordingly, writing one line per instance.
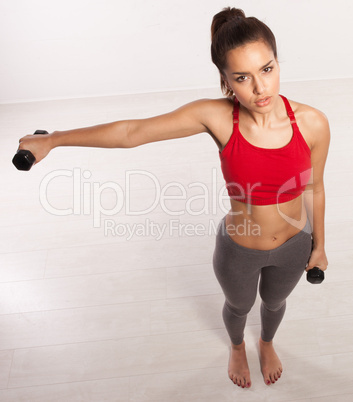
(273, 305)
(237, 309)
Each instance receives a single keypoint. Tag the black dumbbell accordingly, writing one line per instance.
(24, 159)
(315, 275)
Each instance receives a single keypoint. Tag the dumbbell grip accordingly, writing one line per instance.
(24, 159)
(315, 275)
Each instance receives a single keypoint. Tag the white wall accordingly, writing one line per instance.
(53, 49)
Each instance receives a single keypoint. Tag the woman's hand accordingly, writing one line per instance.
(38, 145)
(317, 259)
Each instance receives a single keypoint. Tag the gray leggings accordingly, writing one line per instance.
(238, 270)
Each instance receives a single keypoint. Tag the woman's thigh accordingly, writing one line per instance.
(237, 269)
(286, 267)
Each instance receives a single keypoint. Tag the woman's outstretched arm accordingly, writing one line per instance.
(190, 119)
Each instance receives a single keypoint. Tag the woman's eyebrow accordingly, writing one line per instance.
(259, 68)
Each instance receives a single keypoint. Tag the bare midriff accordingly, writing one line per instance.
(265, 227)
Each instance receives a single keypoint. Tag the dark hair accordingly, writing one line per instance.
(231, 29)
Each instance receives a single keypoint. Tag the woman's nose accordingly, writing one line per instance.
(259, 87)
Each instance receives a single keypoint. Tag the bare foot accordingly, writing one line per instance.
(271, 366)
(238, 369)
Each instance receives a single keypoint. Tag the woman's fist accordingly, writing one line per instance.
(32, 149)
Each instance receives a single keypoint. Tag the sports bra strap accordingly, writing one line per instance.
(289, 109)
(236, 111)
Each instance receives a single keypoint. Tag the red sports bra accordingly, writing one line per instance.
(264, 176)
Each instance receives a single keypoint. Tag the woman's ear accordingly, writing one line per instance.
(226, 83)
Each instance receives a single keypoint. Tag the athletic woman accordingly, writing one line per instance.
(272, 153)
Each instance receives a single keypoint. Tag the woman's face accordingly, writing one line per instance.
(252, 73)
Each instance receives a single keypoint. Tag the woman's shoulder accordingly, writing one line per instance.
(312, 122)
(216, 115)
(308, 116)
(218, 104)
(216, 110)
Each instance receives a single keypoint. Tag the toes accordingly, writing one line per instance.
(240, 381)
(278, 374)
(273, 377)
(235, 380)
(267, 377)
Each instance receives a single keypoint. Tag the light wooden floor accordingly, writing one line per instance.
(87, 314)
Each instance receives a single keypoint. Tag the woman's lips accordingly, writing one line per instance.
(263, 102)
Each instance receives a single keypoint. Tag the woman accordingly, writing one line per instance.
(272, 151)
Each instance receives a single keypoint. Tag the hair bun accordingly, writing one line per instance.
(233, 13)
(224, 16)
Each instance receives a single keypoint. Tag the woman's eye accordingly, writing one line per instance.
(267, 69)
(241, 78)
